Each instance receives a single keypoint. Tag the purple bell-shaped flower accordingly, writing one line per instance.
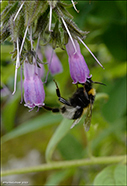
(54, 63)
(78, 68)
(34, 94)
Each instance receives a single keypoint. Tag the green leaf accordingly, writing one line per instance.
(3, 5)
(5, 52)
(71, 148)
(116, 105)
(32, 125)
(118, 71)
(57, 177)
(114, 175)
(60, 132)
(9, 111)
(116, 44)
(112, 129)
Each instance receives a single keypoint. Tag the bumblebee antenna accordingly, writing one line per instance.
(96, 82)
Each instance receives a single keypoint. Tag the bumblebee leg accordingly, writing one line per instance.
(57, 89)
(52, 109)
(62, 100)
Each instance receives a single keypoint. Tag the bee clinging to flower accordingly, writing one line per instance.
(79, 104)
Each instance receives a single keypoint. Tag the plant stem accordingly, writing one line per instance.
(68, 164)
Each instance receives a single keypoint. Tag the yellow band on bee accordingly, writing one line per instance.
(92, 91)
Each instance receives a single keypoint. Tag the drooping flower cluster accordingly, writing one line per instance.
(29, 23)
(34, 93)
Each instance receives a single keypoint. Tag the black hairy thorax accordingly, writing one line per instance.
(79, 98)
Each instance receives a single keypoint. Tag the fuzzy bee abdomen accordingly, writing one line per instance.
(71, 112)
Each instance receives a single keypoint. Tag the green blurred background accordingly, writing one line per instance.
(26, 134)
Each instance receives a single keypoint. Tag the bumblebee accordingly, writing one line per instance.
(79, 104)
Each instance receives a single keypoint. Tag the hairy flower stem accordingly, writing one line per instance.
(31, 40)
(37, 46)
(68, 164)
(90, 52)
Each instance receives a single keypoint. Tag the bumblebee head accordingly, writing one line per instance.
(89, 83)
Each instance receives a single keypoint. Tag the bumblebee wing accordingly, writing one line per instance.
(75, 122)
(88, 118)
